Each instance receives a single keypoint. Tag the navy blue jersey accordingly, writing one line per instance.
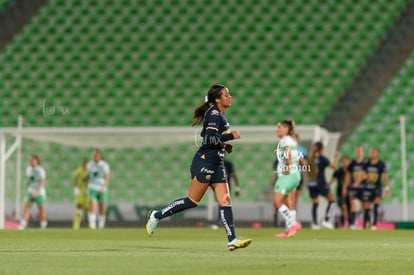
(229, 167)
(356, 169)
(216, 131)
(339, 175)
(322, 162)
(374, 173)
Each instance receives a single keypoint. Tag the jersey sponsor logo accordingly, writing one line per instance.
(207, 171)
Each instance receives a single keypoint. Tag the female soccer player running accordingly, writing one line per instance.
(207, 168)
(36, 192)
(288, 175)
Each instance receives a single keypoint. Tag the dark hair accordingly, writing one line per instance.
(36, 157)
(319, 146)
(213, 93)
(290, 124)
(345, 157)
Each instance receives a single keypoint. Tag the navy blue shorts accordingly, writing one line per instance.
(207, 171)
(300, 183)
(368, 195)
(341, 200)
(316, 190)
(355, 193)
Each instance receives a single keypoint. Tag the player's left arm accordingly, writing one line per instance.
(334, 163)
(106, 179)
(385, 178)
(235, 179)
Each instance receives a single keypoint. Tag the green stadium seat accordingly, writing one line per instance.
(141, 72)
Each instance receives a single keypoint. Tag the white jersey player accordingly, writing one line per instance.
(98, 180)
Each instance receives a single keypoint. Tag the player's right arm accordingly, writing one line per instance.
(331, 181)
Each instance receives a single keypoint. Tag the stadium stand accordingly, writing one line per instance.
(129, 63)
(380, 128)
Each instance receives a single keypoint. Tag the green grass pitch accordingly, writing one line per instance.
(203, 251)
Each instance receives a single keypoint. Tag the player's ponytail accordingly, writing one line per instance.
(290, 124)
(213, 93)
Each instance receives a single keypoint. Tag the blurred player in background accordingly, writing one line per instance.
(343, 202)
(36, 192)
(318, 185)
(288, 175)
(376, 173)
(354, 183)
(231, 176)
(80, 190)
(293, 197)
(207, 168)
(98, 181)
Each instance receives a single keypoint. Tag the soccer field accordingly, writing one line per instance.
(203, 251)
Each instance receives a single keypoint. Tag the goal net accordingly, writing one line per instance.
(149, 167)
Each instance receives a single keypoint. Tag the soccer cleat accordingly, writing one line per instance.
(283, 234)
(151, 223)
(295, 228)
(327, 225)
(236, 243)
(315, 226)
(373, 228)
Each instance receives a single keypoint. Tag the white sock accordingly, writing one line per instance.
(101, 222)
(284, 211)
(293, 216)
(92, 220)
(23, 223)
(43, 224)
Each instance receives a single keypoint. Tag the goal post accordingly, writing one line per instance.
(126, 138)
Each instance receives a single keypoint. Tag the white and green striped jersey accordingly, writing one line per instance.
(287, 142)
(34, 175)
(96, 174)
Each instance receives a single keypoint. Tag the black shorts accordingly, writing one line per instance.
(355, 193)
(300, 183)
(340, 199)
(316, 190)
(369, 195)
(207, 171)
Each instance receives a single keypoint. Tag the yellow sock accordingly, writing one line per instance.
(77, 219)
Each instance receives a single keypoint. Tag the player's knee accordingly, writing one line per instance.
(225, 200)
(191, 203)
